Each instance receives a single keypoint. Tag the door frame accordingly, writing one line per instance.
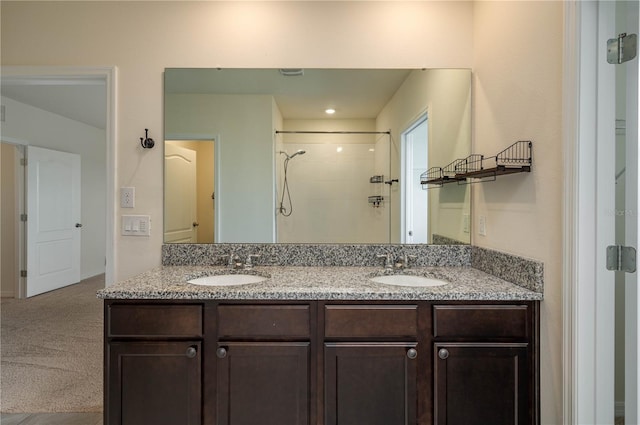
(18, 155)
(78, 74)
(588, 288)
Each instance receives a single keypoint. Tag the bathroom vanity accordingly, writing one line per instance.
(321, 345)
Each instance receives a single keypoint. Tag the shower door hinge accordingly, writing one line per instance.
(622, 49)
(23, 217)
(621, 258)
(23, 273)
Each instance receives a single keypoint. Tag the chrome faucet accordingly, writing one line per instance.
(388, 262)
(234, 261)
(403, 262)
(400, 263)
(248, 265)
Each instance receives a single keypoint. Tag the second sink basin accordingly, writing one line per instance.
(408, 280)
(227, 280)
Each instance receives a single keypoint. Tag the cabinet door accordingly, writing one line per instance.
(370, 383)
(481, 383)
(263, 383)
(154, 383)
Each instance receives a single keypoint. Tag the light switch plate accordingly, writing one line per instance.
(136, 225)
(482, 225)
(127, 197)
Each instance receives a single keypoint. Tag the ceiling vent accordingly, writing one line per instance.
(292, 72)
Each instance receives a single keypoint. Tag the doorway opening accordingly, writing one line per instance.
(414, 200)
(78, 104)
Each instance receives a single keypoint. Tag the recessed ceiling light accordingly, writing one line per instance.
(339, 149)
(330, 111)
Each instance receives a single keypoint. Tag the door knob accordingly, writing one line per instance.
(412, 353)
(191, 352)
(443, 353)
(78, 225)
(221, 352)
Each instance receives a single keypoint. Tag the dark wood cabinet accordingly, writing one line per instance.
(370, 383)
(154, 383)
(479, 384)
(263, 363)
(263, 383)
(370, 363)
(153, 363)
(321, 362)
(485, 364)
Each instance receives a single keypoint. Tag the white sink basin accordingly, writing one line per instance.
(408, 280)
(227, 280)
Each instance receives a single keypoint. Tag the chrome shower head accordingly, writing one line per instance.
(298, 152)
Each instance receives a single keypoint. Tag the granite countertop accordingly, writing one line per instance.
(316, 283)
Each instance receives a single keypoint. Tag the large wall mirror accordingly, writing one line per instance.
(314, 155)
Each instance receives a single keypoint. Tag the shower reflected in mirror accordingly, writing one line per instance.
(285, 185)
(329, 186)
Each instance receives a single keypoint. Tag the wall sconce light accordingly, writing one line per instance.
(147, 142)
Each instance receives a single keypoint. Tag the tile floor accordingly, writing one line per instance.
(51, 418)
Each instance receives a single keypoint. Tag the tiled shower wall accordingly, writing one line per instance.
(329, 187)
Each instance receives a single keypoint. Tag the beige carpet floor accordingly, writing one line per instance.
(51, 351)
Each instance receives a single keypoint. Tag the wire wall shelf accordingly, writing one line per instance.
(517, 158)
(431, 178)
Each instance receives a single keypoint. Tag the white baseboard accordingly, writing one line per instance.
(619, 409)
(7, 294)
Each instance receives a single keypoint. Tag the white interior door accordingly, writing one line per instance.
(180, 213)
(53, 220)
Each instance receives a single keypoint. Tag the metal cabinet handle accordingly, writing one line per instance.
(443, 353)
(412, 353)
(78, 225)
(195, 224)
(221, 352)
(191, 352)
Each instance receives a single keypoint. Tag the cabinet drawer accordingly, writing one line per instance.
(371, 321)
(135, 320)
(480, 321)
(264, 321)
